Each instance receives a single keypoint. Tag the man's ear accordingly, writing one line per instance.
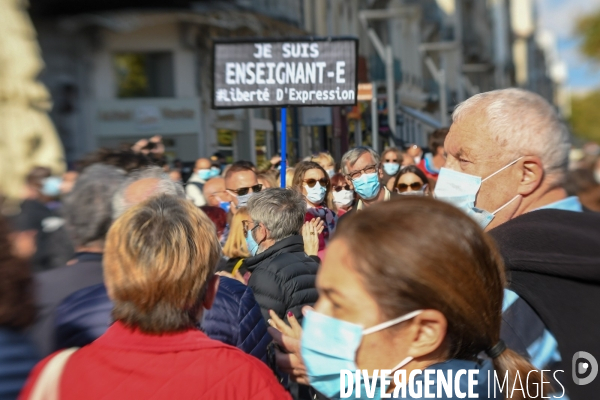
(531, 174)
(211, 292)
(427, 333)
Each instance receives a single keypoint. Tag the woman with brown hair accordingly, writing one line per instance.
(17, 310)
(159, 270)
(387, 302)
(311, 180)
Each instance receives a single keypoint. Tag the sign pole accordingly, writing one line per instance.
(283, 141)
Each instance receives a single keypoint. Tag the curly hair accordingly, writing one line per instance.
(17, 309)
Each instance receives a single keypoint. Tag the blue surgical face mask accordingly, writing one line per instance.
(391, 168)
(205, 174)
(329, 345)
(315, 194)
(331, 172)
(367, 186)
(243, 200)
(214, 172)
(51, 186)
(251, 243)
(225, 205)
(460, 190)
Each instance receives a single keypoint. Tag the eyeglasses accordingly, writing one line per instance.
(403, 187)
(340, 188)
(244, 191)
(312, 182)
(394, 161)
(369, 169)
(246, 226)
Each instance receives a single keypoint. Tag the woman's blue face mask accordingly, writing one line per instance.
(329, 345)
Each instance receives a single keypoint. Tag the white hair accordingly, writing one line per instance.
(523, 123)
(164, 186)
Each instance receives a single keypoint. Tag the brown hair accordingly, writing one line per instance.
(17, 309)
(159, 256)
(436, 139)
(298, 180)
(463, 278)
(411, 169)
(236, 246)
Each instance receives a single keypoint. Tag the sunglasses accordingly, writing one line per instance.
(313, 182)
(244, 191)
(403, 187)
(340, 188)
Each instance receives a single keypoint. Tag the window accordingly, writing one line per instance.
(144, 74)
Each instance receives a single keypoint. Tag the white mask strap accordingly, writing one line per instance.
(501, 169)
(392, 322)
(402, 363)
(501, 208)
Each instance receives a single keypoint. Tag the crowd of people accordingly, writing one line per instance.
(131, 278)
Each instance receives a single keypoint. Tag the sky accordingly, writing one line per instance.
(559, 16)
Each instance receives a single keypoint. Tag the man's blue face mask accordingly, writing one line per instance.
(460, 190)
(367, 186)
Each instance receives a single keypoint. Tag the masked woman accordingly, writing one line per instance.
(403, 307)
(313, 182)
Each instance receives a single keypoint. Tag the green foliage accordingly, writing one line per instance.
(585, 116)
(588, 28)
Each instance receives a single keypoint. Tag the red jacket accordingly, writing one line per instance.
(127, 364)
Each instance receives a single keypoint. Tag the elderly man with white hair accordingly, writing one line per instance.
(507, 156)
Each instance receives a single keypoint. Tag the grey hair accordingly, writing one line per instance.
(352, 155)
(523, 123)
(281, 211)
(87, 208)
(165, 186)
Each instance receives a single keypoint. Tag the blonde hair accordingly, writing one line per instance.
(236, 246)
(159, 257)
(267, 176)
(289, 177)
(323, 159)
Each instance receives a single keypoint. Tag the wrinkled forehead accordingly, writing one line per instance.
(363, 161)
(470, 136)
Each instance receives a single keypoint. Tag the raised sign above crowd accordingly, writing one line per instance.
(304, 72)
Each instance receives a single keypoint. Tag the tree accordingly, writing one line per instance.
(585, 115)
(585, 109)
(588, 29)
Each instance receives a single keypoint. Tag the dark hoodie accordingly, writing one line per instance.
(553, 263)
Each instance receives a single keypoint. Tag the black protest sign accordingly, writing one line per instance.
(287, 72)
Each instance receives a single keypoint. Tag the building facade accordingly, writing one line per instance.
(119, 72)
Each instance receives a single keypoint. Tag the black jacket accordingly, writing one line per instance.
(283, 278)
(553, 263)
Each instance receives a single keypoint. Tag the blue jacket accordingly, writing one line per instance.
(234, 318)
(17, 357)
